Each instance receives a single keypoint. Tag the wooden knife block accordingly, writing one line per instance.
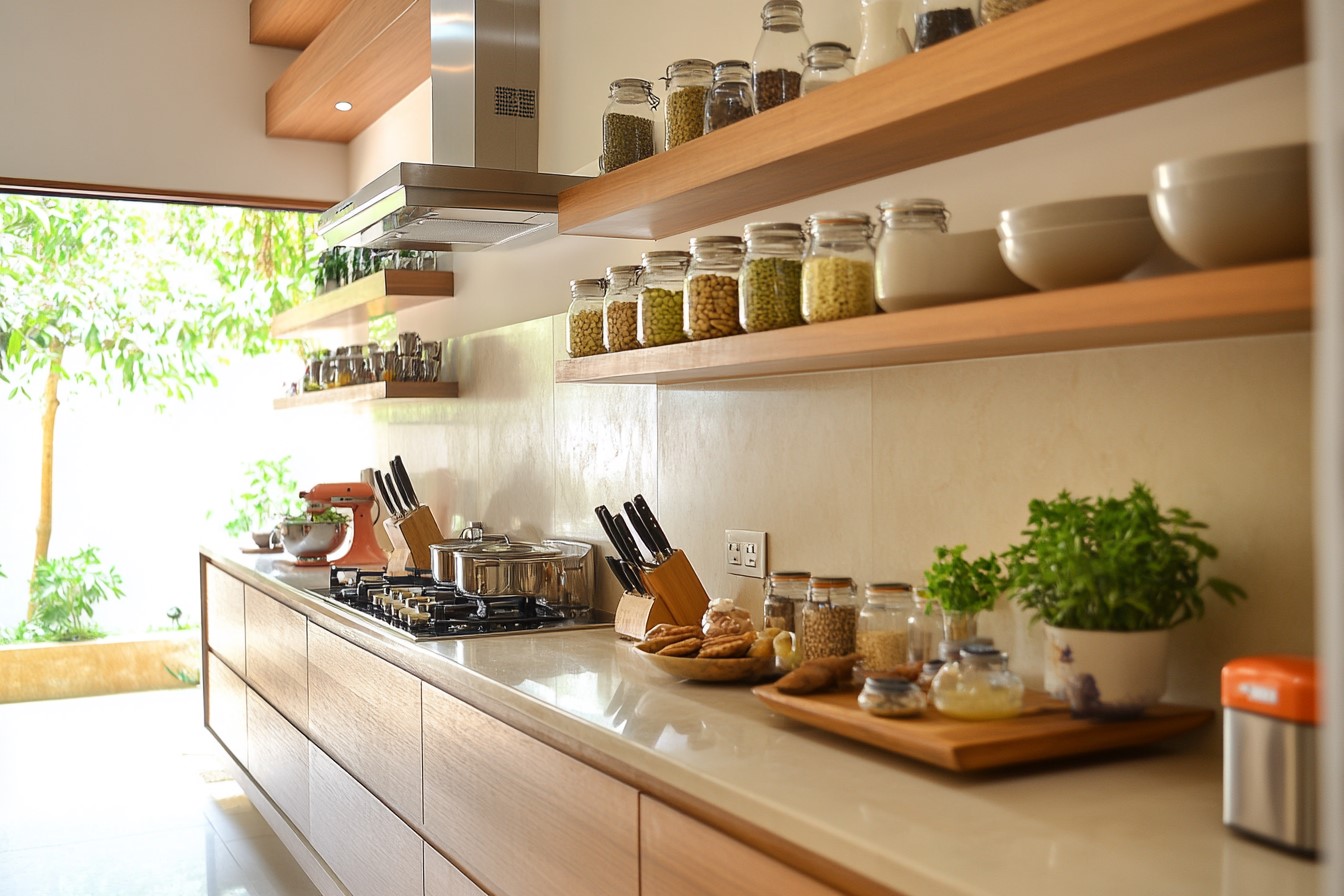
(678, 598)
(419, 530)
(399, 558)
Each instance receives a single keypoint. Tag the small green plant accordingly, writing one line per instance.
(270, 495)
(64, 592)
(960, 585)
(330, 515)
(1112, 564)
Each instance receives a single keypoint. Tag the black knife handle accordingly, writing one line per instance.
(635, 556)
(390, 481)
(382, 490)
(651, 523)
(404, 479)
(618, 570)
(609, 526)
(642, 531)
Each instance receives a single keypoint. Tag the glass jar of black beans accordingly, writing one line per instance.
(940, 20)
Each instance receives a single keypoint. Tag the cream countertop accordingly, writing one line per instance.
(1138, 821)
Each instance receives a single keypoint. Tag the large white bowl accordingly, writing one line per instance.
(1239, 208)
(1079, 254)
(919, 270)
(1072, 211)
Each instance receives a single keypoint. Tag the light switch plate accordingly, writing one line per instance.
(744, 552)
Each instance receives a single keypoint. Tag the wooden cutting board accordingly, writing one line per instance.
(1045, 730)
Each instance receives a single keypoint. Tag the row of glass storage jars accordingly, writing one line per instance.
(773, 277)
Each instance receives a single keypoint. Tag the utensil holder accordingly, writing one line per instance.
(678, 598)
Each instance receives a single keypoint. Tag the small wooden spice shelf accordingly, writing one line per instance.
(368, 392)
(1046, 67)
(379, 293)
(1253, 300)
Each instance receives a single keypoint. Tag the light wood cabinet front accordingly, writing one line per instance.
(371, 851)
(491, 790)
(365, 713)
(224, 615)
(277, 759)
(679, 856)
(277, 654)
(226, 706)
(443, 879)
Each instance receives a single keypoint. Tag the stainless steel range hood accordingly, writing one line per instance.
(483, 188)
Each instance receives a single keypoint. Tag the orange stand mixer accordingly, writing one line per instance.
(356, 497)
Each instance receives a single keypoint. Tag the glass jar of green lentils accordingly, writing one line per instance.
(620, 308)
(688, 82)
(627, 124)
(838, 267)
(583, 322)
(770, 287)
(710, 307)
(660, 298)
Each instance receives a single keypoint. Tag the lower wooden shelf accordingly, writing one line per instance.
(368, 392)
(1252, 300)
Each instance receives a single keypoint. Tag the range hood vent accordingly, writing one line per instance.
(483, 188)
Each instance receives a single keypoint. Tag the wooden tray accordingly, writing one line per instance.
(1045, 730)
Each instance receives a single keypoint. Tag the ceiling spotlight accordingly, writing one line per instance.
(343, 106)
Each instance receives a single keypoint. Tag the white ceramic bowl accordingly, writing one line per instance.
(1072, 211)
(1079, 254)
(919, 270)
(1237, 208)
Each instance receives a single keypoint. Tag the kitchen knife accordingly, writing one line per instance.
(636, 578)
(624, 529)
(609, 526)
(637, 523)
(651, 523)
(404, 478)
(392, 493)
(618, 569)
(383, 490)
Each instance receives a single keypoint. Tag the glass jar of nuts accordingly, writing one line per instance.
(620, 308)
(688, 82)
(583, 322)
(710, 305)
(770, 286)
(785, 593)
(660, 298)
(627, 124)
(777, 64)
(829, 617)
(882, 634)
(838, 267)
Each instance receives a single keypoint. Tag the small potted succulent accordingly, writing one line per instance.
(1111, 577)
(962, 588)
(271, 493)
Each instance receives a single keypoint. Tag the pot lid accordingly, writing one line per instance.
(508, 550)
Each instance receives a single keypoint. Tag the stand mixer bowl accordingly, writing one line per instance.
(311, 542)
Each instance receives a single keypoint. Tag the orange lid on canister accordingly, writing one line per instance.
(1276, 685)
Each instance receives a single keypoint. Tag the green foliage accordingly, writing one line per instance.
(1112, 564)
(64, 592)
(960, 585)
(330, 515)
(271, 493)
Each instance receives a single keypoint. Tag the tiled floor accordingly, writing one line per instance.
(125, 796)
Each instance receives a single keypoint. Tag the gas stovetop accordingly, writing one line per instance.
(419, 609)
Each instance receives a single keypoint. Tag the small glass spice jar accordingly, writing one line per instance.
(940, 20)
(785, 594)
(882, 634)
(729, 97)
(620, 308)
(583, 322)
(776, 65)
(660, 298)
(827, 64)
(771, 282)
(688, 82)
(902, 241)
(829, 617)
(838, 267)
(627, 123)
(710, 306)
(926, 628)
(891, 697)
(977, 685)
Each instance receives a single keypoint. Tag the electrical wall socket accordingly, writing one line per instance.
(744, 552)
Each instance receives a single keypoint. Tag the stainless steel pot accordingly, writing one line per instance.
(441, 554)
(497, 569)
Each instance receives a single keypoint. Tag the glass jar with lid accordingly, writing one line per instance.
(785, 594)
(838, 267)
(710, 307)
(627, 123)
(688, 82)
(940, 20)
(903, 252)
(977, 685)
(886, 34)
(660, 298)
(891, 696)
(770, 286)
(997, 9)
(829, 617)
(776, 66)
(926, 628)
(583, 322)
(827, 64)
(620, 308)
(729, 97)
(882, 633)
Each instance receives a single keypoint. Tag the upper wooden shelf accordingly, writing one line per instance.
(367, 392)
(1046, 67)
(1260, 299)
(379, 293)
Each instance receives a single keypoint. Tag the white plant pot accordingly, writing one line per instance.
(1106, 675)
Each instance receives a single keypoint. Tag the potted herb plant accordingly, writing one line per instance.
(270, 494)
(1110, 577)
(962, 589)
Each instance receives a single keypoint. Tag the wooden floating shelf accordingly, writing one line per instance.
(368, 392)
(379, 293)
(1253, 300)
(1046, 67)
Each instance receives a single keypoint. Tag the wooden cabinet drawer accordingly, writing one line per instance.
(365, 713)
(224, 615)
(226, 706)
(277, 759)
(371, 850)
(443, 879)
(679, 856)
(277, 654)
(488, 785)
